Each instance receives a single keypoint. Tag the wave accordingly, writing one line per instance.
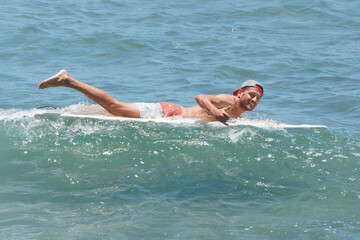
(158, 156)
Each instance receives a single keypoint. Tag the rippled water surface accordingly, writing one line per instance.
(97, 179)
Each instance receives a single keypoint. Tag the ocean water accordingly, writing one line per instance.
(97, 179)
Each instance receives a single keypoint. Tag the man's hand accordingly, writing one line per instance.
(216, 106)
(222, 116)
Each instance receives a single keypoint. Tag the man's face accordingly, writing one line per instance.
(249, 98)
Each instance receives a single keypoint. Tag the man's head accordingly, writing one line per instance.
(249, 94)
(250, 83)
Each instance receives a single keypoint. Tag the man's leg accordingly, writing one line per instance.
(63, 79)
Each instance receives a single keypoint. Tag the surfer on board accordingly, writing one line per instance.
(209, 108)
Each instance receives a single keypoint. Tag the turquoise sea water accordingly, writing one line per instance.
(94, 179)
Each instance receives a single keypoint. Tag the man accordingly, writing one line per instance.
(210, 108)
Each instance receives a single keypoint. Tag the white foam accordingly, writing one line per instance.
(96, 112)
(14, 114)
(271, 124)
(83, 109)
(266, 124)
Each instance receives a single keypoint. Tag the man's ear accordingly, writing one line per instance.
(239, 92)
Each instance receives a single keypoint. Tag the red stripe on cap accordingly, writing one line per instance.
(235, 93)
(258, 87)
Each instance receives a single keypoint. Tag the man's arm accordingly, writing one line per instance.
(216, 105)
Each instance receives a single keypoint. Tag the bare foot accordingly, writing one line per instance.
(58, 80)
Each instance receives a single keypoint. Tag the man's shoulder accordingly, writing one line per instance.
(226, 97)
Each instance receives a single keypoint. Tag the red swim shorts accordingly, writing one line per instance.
(170, 109)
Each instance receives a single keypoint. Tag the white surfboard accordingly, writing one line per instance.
(267, 124)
